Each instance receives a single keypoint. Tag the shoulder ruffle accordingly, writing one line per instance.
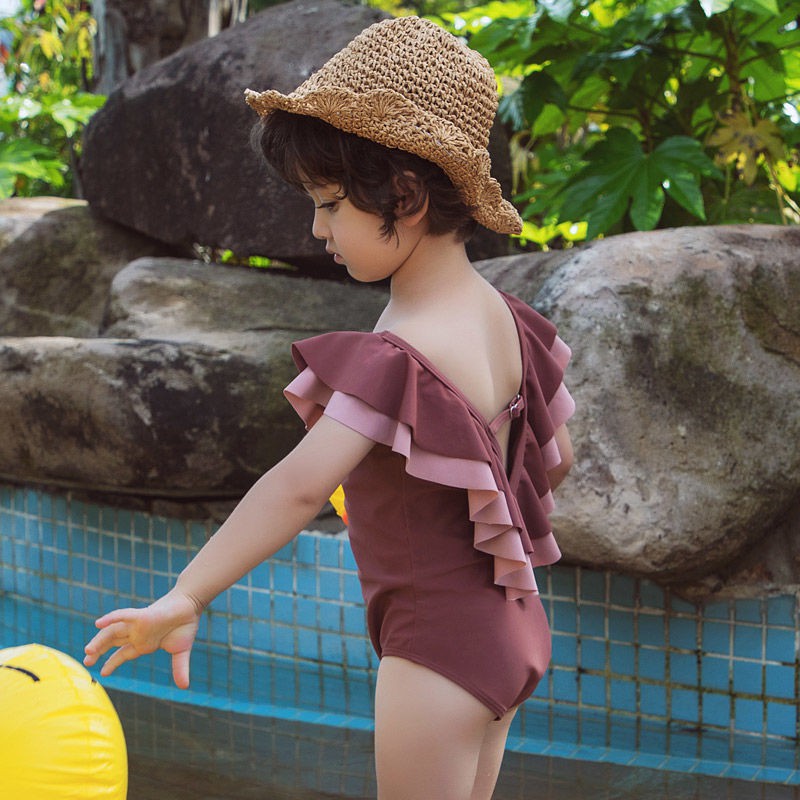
(381, 390)
(387, 379)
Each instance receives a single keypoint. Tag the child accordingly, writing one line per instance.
(446, 424)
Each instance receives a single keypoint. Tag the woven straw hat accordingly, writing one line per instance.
(407, 83)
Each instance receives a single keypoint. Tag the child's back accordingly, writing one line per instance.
(462, 325)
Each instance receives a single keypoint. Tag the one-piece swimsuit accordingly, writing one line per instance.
(444, 529)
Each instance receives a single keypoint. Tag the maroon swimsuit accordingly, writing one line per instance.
(444, 535)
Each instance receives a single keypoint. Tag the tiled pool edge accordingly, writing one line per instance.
(618, 642)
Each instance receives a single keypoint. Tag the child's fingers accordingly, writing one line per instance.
(114, 635)
(118, 615)
(118, 657)
(90, 659)
(180, 668)
(98, 645)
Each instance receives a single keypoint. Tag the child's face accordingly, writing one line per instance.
(354, 237)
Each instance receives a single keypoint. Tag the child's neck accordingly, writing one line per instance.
(438, 270)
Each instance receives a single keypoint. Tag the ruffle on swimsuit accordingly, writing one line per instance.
(380, 386)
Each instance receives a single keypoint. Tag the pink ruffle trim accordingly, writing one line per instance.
(495, 533)
(560, 352)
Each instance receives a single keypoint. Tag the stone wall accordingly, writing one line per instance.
(129, 371)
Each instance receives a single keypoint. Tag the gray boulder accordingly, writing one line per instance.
(180, 300)
(142, 417)
(686, 374)
(57, 260)
(17, 214)
(170, 154)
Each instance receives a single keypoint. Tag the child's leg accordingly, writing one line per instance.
(429, 733)
(491, 757)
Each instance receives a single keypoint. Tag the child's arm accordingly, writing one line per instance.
(277, 507)
(564, 444)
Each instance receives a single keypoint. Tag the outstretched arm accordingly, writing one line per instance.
(278, 506)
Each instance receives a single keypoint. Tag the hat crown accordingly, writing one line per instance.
(396, 56)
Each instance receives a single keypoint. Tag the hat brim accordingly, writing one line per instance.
(386, 117)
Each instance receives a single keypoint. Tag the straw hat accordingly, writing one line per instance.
(407, 83)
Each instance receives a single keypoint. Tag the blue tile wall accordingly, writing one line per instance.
(638, 675)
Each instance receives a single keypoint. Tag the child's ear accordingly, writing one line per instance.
(412, 198)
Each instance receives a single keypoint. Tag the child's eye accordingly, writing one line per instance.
(329, 206)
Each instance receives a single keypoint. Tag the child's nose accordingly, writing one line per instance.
(318, 229)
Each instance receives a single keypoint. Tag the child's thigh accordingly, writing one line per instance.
(428, 734)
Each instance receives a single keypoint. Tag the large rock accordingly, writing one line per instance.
(686, 373)
(180, 300)
(181, 396)
(170, 154)
(57, 260)
(17, 214)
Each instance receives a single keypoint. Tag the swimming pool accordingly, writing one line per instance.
(639, 676)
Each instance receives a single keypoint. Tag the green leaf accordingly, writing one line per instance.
(686, 151)
(87, 100)
(620, 174)
(70, 116)
(507, 43)
(8, 182)
(792, 61)
(768, 83)
(619, 144)
(760, 7)
(681, 161)
(589, 92)
(522, 107)
(18, 151)
(558, 10)
(608, 210)
(549, 120)
(769, 53)
(647, 196)
(711, 7)
(20, 157)
(579, 199)
(601, 199)
(511, 109)
(62, 116)
(29, 108)
(663, 6)
(622, 63)
(683, 188)
(16, 107)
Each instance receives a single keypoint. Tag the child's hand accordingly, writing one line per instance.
(170, 624)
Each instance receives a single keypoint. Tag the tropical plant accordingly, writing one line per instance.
(47, 102)
(631, 115)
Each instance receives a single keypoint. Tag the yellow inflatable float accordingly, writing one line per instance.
(60, 737)
(337, 501)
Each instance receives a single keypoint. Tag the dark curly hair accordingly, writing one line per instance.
(374, 178)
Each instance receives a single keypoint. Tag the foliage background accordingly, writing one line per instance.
(621, 115)
(47, 61)
(640, 115)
